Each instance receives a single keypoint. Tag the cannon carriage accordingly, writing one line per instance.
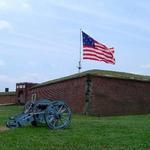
(56, 114)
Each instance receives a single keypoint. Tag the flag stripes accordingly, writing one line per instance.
(94, 50)
(98, 57)
(99, 52)
(93, 58)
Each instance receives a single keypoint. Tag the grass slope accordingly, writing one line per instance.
(84, 133)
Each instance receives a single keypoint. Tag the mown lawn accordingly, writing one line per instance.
(84, 133)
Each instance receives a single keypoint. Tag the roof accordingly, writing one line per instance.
(8, 93)
(26, 83)
(100, 73)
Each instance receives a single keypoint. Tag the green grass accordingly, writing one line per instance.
(84, 133)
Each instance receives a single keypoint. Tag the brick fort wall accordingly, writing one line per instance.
(7, 98)
(72, 91)
(89, 94)
(112, 96)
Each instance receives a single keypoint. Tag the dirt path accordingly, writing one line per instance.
(3, 128)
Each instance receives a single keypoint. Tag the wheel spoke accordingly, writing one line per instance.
(54, 122)
(60, 108)
(60, 116)
(63, 110)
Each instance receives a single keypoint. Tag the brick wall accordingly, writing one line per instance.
(72, 91)
(22, 90)
(118, 96)
(91, 95)
(7, 98)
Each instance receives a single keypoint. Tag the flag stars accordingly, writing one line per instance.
(87, 40)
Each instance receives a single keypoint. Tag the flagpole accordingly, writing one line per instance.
(80, 67)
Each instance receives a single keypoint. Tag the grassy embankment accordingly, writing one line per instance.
(85, 132)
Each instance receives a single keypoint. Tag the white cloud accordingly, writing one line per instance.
(32, 63)
(2, 63)
(3, 4)
(39, 44)
(5, 25)
(29, 77)
(8, 5)
(146, 66)
(26, 5)
(5, 81)
(9, 81)
(106, 14)
(6, 78)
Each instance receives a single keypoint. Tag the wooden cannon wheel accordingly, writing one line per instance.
(58, 116)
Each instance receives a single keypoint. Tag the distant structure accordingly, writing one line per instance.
(22, 91)
(94, 92)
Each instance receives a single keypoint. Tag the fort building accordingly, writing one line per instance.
(94, 92)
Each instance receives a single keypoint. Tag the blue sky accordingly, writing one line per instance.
(39, 40)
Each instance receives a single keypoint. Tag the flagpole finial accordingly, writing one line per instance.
(79, 67)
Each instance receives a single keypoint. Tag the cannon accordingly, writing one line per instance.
(55, 114)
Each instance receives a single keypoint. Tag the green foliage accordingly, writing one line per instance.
(84, 133)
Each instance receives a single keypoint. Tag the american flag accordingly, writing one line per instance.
(94, 50)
